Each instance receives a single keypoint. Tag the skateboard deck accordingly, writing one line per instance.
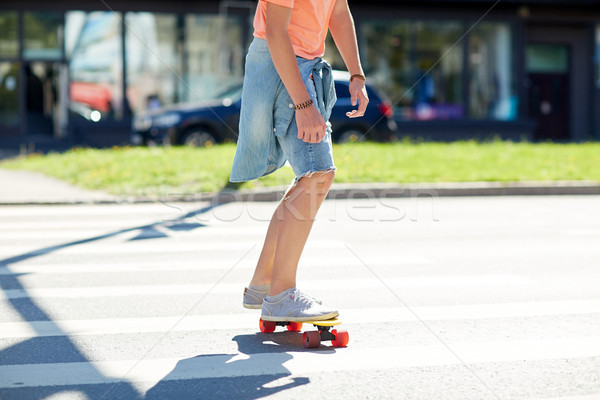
(312, 339)
(326, 322)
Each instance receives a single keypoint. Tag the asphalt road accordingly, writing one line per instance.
(443, 298)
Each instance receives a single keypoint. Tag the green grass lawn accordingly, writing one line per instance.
(160, 170)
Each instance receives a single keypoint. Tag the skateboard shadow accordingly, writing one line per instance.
(256, 371)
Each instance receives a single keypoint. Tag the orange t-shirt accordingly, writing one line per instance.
(308, 25)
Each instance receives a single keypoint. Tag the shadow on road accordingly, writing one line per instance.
(257, 371)
(148, 231)
(43, 350)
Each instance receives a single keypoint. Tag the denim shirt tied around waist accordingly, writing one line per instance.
(267, 111)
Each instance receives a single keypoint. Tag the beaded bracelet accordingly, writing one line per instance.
(359, 76)
(304, 105)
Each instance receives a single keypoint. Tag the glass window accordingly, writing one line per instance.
(418, 65)
(9, 43)
(438, 57)
(152, 60)
(9, 93)
(214, 55)
(43, 35)
(95, 64)
(597, 57)
(547, 58)
(45, 86)
(386, 50)
(491, 83)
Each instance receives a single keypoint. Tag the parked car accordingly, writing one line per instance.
(216, 121)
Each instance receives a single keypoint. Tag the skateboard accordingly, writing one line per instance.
(311, 339)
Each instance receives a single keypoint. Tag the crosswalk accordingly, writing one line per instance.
(124, 301)
(148, 371)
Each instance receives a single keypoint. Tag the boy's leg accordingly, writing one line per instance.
(259, 286)
(295, 216)
(296, 212)
(264, 266)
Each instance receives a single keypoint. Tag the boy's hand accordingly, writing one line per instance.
(358, 92)
(311, 125)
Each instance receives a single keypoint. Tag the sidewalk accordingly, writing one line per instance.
(22, 187)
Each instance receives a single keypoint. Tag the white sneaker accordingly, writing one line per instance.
(295, 306)
(253, 298)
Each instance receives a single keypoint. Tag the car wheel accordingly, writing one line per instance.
(351, 135)
(198, 137)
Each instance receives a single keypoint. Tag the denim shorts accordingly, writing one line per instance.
(268, 129)
(304, 157)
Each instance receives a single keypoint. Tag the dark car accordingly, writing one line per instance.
(216, 121)
(377, 124)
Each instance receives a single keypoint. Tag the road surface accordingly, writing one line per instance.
(444, 298)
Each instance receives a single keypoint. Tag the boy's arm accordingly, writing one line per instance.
(311, 125)
(341, 26)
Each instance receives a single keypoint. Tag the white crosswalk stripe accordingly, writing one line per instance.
(351, 316)
(191, 265)
(232, 288)
(38, 280)
(151, 371)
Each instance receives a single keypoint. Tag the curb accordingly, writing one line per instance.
(352, 191)
(382, 190)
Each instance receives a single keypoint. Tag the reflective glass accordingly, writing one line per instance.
(491, 84)
(152, 60)
(9, 43)
(597, 57)
(214, 55)
(45, 86)
(43, 35)
(95, 64)
(417, 64)
(437, 91)
(9, 93)
(386, 48)
(547, 58)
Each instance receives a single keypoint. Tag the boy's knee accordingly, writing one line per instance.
(329, 176)
(322, 178)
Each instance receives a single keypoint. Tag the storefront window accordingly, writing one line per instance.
(214, 55)
(9, 93)
(387, 50)
(418, 65)
(438, 58)
(93, 42)
(9, 43)
(597, 57)
(491, 83)
(152, 60)
(547, 58)
(43, 35)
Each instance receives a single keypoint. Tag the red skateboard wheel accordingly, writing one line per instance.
(341, 338)
(311, 339)
(266, 326)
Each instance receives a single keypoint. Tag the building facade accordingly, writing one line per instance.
(75, 72)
